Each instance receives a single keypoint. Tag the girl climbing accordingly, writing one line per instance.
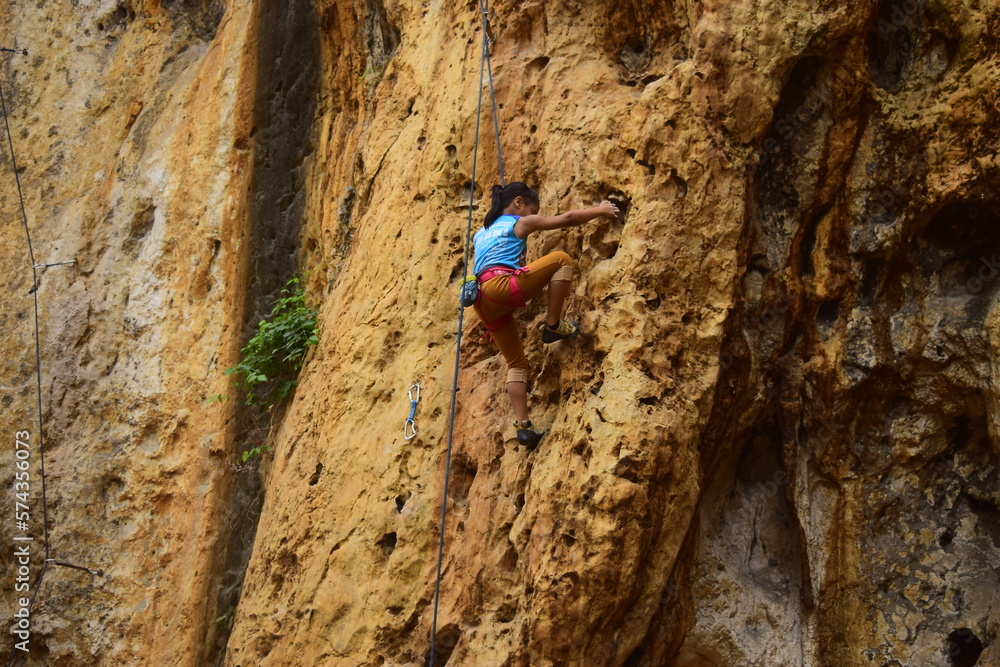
(505, 285)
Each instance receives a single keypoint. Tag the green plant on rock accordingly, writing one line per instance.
(256, 451)
(271, 359)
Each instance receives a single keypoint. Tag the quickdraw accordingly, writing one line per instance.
(409, 428)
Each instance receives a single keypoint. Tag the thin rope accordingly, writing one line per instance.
(38, 367)
(484, 9)
(34, 293)
(458, 350)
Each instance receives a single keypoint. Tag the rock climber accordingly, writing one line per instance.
(505, 285)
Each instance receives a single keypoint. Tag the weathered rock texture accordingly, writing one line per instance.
(776, 444)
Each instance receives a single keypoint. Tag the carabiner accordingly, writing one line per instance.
(409, 428)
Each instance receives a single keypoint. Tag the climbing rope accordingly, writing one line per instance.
(38, 364)
(409, 428)
(484, 65)
(487, 35)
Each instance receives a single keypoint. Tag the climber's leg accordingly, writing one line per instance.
(554, 267)
(558, 290)
(556, 271)
(518, 392)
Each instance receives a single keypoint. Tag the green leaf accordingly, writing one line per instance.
(271, 359)
(246, 455)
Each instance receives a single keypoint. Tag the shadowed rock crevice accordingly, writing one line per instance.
(958, 253)
(785, 180)
(893, 41)
(381, 35)
(747, 545)
(201, 16)
(288, 50)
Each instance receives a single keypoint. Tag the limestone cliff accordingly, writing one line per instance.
(776, 442)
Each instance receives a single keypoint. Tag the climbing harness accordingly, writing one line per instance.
(409, 428)
(484, 66)
(516, 297)
(38, 372)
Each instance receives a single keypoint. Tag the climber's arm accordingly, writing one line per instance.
(536, 223)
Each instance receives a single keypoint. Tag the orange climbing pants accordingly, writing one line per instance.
(500, 295)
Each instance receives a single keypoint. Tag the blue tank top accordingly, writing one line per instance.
(498, 245)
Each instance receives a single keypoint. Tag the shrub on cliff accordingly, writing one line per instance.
(272, 358)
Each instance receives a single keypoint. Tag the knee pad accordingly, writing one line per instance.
(563, 273)
(517, 375)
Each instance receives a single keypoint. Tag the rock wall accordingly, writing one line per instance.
(775, 443)
(130, 122)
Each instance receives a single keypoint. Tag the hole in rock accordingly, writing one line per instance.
(939, 53)
(315, 476)
(891, 42)
(634, 659)
(826, 317)
(538, 64)
(759, 264)
(456, 271)
(509, 559)
(964, 647)
(622, 201)
(946, 537)
(628, 468)
(871, 273)
(987, 518)
(583, 450)
(634, 57)
(519, 502)
(447, 639)
(959, 245)
(809, 244)
(401, 500)
(507, 611)
(388, 544)
(463, 473)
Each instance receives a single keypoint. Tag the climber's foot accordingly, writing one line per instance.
(561, 331)
(527, 436)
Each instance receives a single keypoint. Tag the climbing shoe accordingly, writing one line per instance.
(527, 436)
(565, 329)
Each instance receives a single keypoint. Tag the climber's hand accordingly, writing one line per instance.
(608, 209)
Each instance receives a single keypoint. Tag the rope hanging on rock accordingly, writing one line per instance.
(27, 539)
(484, 66)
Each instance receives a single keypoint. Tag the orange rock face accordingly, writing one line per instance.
(775, 443)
